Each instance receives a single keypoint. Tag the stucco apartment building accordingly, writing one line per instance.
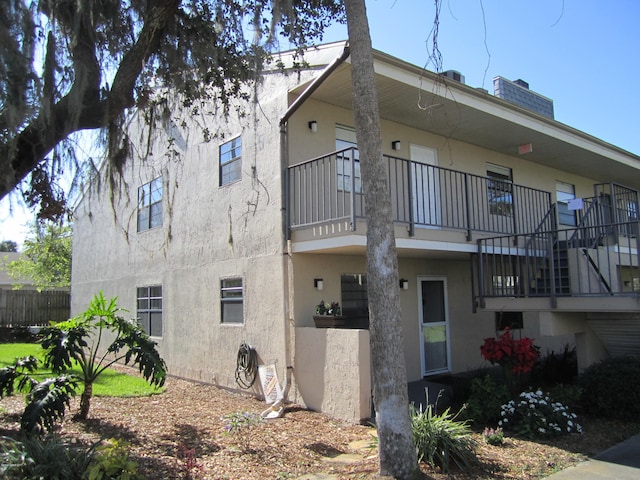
(503, 216)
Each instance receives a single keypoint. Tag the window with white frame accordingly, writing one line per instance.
(149, 306)
(231, 300)
(231, 161)
(150, 205)
(347, 162)
(500, 189)
(565, 192)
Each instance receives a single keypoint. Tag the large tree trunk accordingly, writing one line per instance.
(395, 446)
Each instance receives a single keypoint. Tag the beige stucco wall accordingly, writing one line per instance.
(467, 330)
(332, 371)
(452, 154)
(209, 232)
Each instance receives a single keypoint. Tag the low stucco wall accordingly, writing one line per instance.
(332, 371)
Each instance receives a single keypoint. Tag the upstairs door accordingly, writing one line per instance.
(425, 186)
(434, 325)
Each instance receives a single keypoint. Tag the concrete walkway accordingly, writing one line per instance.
(620, 462)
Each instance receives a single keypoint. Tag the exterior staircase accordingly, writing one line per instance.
(618, 332)
(553, 277)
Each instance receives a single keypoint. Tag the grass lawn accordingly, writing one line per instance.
(109, 384)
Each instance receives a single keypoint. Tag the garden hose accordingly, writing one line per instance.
(246, 366)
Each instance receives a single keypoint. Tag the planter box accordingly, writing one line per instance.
(328, 321)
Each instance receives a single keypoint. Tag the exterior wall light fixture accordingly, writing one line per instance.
(318, 283)
(313, 126)
(396, 145)
(404, 284)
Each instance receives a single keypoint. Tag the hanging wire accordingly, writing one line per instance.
(246, 366)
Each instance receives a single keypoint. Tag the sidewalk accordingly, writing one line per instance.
(620, 462)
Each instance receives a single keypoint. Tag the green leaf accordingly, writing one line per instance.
(47, 403)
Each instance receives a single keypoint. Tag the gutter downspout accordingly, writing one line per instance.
(284, 162)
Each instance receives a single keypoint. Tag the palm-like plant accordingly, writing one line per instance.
(81, 340)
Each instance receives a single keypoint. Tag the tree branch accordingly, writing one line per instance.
(83, 107)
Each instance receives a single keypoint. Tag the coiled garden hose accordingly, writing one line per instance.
(246, 366)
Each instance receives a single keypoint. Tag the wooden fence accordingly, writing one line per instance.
(32, 308)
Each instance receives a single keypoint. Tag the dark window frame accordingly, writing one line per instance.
(230, 154)
(347, 162)
(149, 307)
(232, 296)
(563, 197)
(355, 301)
(513, 320)
(150, 205)
(500, 189)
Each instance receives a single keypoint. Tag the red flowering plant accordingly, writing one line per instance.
(520, 355)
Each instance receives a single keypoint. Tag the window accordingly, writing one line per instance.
(499, 190)
(355, 302)
(231, 300)
(513, 320)
(565, 192)
(231, 161)
(150, 309)
(346, 138)
(504, 285)
(150, 205)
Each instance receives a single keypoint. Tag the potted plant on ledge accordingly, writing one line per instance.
(328, 315)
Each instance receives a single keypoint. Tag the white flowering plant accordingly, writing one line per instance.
(536, 415)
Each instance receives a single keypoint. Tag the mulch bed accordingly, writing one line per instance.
(182, 433)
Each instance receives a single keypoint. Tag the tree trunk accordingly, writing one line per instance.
(396, 450)
(85, 401)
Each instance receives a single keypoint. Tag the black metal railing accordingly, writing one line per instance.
(329, 189)
(592, 260)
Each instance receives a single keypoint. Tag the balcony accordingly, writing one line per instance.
(328, 189)
(576, 269)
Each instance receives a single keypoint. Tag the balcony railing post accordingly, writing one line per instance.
(410, 202)
(467, 206)
(353, 189)
(514, 206)
(287, 200)
(481, 278)
(552, 270)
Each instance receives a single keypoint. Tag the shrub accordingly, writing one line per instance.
(440, 439)
(516, 355)
(483, 405)
(493, 436)
(48, 457)
(567, 394)
(611, 388)
(556, 368)
(236, 421)
(536, 415)
(112, 462)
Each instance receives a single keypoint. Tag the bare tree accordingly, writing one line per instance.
(397, 454)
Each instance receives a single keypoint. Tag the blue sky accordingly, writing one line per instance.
(583, 54)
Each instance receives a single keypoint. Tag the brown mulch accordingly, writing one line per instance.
(181, 434)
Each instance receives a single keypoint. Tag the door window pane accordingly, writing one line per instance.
(565, 192)
(433, 302)
(500, 189)
(347, 163)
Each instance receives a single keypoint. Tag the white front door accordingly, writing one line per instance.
(434, 324)
(425, 186)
